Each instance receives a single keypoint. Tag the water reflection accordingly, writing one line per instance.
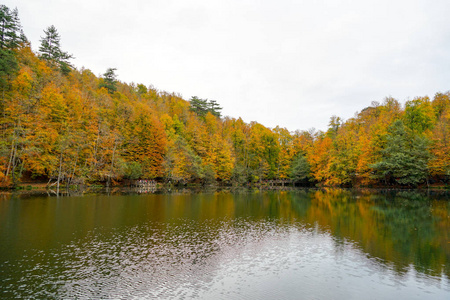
(255, 245)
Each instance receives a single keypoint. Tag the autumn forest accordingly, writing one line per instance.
(67, 125)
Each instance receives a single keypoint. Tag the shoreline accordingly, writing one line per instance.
(98, 187)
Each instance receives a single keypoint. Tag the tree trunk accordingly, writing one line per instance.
(59, 173)
(95, 147)
(11, 157)
(13, 173)
(70, 179)
(108, 183)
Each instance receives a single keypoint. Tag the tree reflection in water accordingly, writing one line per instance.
(183, 243)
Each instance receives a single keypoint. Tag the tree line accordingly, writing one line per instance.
(65, 125)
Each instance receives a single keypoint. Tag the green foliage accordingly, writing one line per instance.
(300, 169)
(214, 108)
(209, 176)
(51, 50)
(133, 170)
(10, 38)
(72, 129)
(335, 123)
(10, 29)
(239, 175)
(440, 103)
(202, 106)
(181, 163)
(419, 114)
(199, 106)
(405, 157)
(110, 80)
(8, 66)
(65, 68)
(142, 89)
(270, 154)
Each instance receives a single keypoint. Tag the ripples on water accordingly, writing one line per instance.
(208, 260)
(227, 258)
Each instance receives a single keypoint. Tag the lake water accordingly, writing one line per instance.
(302, 244)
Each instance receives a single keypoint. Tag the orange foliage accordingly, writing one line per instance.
(67, 126)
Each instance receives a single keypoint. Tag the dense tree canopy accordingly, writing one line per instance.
(404, 158)
(83, 128)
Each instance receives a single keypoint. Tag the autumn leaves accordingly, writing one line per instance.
(70, 126)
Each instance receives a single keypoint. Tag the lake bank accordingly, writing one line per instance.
(152, 185)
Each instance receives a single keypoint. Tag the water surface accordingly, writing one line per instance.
(309, 244)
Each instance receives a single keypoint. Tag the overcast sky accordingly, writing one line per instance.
(285, 62)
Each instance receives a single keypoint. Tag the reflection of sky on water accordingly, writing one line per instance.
(230, 259)
(266, 246)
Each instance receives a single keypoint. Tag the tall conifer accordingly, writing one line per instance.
(51, 50)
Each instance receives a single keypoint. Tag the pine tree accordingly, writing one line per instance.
(214, 108)
(110, 80)
(10, 28)
(51, 50)
(10, 37)
(199, 106)
(202, 106)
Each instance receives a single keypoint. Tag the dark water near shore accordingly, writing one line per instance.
(302, 244)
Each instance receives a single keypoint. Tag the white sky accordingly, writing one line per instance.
(284, 62)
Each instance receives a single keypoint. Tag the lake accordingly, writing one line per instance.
(252, 244)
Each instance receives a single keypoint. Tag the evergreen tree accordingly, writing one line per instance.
(215, 108)
(8, 66)
(300, 170)
(10, 28)
(199, 106)
(10, 38)
(405, 157)
(110, 80)
(51, 50)
(202, 106)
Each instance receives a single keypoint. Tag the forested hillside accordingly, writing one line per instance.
(63, 124)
